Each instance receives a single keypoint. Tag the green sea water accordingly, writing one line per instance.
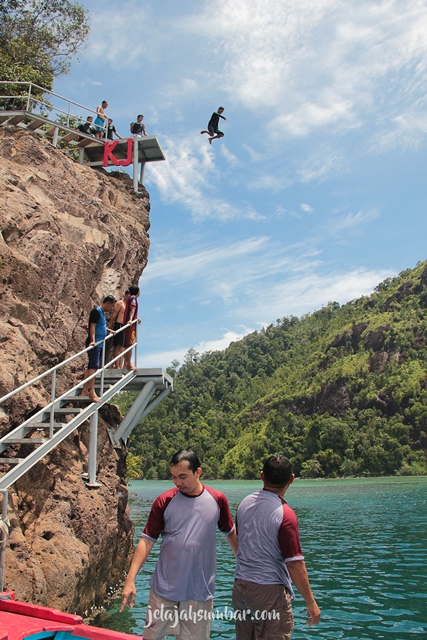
(365, 545)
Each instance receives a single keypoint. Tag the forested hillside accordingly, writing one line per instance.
(341, 391)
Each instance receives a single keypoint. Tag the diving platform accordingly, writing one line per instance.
(27, 108)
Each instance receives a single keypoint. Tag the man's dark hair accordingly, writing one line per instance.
(134, 290)
(139, 115)
(109, 299)
(277, 471)
(127, 292)
(185, 455)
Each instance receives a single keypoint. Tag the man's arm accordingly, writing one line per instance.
(131, 313)
(298, 572)
(115, 313)
(140, 556)
(144, 131)
(232, 541)
(92, 328)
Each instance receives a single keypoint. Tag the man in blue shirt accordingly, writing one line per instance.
(97, 332)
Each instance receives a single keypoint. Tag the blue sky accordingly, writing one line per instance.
(316, 193)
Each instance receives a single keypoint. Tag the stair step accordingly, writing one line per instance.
(4, 119)
(25, 440)
(69, 410)
(43, 425)
(85, 142)
(35, 124)
(70, 136)
(11, 460)
(77, 399)
(17, 119)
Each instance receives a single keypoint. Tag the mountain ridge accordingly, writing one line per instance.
(341, 391)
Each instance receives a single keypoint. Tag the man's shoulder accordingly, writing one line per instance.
(165, 497)
(95, 312)
(252, 496)
(219, 497)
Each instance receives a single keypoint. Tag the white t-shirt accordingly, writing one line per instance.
(186, 567)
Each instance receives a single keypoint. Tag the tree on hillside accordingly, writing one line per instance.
(38, 39)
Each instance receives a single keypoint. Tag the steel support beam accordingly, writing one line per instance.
(134, 413)
(93, 451)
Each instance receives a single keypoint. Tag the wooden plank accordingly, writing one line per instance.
(17, 119)
(70, 136)
(35, 124)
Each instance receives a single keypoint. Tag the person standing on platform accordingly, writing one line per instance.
(111, 130)
(268, 559)
(116, 323)
(137, 128)
(212, 129)
(101, 119)
(131, 314)
(182, 586)
(97, 331)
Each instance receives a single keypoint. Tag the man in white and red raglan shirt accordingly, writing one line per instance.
(183, 582)
(268, 559)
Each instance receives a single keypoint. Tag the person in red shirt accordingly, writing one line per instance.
(269, 559)
(131, 314)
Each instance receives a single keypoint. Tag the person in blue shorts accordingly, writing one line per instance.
(101, 120)
(212, 129)
(97, 332)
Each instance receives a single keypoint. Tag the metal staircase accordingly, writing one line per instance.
(48, 427)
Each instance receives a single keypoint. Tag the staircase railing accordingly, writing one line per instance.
(33, 99)
(54, 370)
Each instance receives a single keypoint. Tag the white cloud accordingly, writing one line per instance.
(350, 220)
(163, 359)
(186, 267)
(297, 294)
(188, 177)
(306, 208)
(309, 291)
(231, 158)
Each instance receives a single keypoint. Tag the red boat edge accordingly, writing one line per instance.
(24, 621)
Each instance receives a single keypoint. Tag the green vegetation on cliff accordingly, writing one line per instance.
(341, 391)
(38, 39)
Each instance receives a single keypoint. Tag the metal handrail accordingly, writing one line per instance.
(31, 98)
(4, 532)
(52, 371)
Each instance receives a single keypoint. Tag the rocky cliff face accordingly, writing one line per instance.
(70, 235)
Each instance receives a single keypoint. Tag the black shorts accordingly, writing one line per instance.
(119, 339)
(214, 131)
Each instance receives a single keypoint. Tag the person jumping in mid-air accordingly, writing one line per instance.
(212, 129)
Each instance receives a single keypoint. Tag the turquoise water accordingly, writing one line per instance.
(365, 546)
